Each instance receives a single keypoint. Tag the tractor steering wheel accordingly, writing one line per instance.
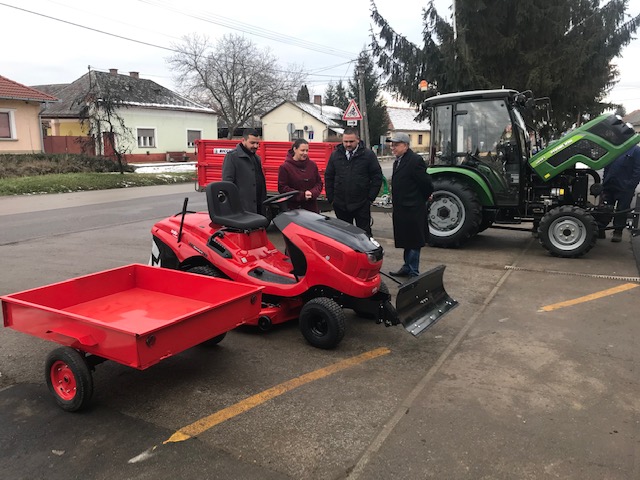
(282, 197)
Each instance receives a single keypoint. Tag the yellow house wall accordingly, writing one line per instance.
(27, 127)
(274, 124)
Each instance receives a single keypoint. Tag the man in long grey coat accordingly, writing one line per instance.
(244, 168)
(411, 187)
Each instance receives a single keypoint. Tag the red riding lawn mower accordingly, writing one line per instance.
(328, 265)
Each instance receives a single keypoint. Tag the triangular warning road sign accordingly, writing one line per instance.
(352, 112)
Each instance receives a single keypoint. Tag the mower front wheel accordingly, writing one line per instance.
(322, 322)
(69, 378)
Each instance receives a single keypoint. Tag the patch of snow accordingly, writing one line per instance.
(165, 167)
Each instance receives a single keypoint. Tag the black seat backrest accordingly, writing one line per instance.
(225, 208)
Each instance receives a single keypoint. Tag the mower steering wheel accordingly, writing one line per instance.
(282, 197)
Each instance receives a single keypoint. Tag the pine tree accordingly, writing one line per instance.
(341, 99)
(561, 49)
(330, 95)
(303, 95)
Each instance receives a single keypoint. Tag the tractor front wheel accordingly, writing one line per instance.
(322, 322)
(455, 213)
(69, 378)
(567, 231)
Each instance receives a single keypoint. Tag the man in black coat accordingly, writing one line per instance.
(352, 180)
(411, 187)
(243, 167)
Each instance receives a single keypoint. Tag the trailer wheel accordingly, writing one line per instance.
(214, 341)
(568, 231)
(455, 213)
(208, 270)
(322, 322)
(69, 379)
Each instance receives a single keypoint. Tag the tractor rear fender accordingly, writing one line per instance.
(472, 179)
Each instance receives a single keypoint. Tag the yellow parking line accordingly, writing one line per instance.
(587, 298)
(220, 416)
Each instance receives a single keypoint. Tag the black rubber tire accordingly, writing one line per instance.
(214, 341)
(488, 218)
(69, 379)
(455, 213)
(208, 270)
(322, 322)
(568, 231)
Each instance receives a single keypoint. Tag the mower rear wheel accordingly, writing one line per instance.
(69, 378)
(208, 270)
(322, 322)
(568, 231)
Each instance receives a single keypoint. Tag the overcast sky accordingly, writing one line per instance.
(324, 37)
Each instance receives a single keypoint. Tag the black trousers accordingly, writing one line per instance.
(361, 216)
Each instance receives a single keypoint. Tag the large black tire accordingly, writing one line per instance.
(322, 322)
(455, 213)
(568, 231)
(207, 270)
(488, 217)
(69, 379)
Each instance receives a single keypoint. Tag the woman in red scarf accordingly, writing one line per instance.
(299, 172)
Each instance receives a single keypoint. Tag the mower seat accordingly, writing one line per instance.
(225, 208)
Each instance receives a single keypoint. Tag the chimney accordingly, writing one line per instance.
(134, 74)
(113, 71)
(317, 99)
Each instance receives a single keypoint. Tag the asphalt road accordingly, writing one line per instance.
(513, 383)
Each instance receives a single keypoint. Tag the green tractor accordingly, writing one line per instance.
(484, 174)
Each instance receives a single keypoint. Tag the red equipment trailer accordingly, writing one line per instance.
(135, 315)
(210, 154)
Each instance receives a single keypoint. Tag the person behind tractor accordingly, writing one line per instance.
(299, 172)
(411, 187)
(243, 167)
(352, 180)
(621, 177)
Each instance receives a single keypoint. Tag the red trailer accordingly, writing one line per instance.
(135, 315)
(210, 154)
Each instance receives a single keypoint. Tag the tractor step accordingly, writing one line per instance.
(422, 301)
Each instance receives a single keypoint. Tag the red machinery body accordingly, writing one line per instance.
(210, 155)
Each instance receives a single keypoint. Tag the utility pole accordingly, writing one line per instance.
(364, 125)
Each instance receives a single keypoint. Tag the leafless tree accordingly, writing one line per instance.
(235, 77)
(100, 115)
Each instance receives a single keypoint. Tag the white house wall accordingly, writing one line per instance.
(274, 124)
(170, 128)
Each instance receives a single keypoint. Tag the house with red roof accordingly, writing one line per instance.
(20, 123)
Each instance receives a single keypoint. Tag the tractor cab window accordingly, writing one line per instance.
(441, 150)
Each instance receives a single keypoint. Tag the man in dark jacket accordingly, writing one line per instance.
(352, 180)
(621, 177)
(243, 167)
(411, 187)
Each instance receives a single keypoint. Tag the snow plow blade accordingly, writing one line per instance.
(421, 302)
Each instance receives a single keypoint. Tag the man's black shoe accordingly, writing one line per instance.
(399, 273)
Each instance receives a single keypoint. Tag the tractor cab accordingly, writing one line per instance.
(484, 133)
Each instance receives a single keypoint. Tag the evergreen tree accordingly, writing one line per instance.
(341, 99)
(303, 94)
(561, 49)
(376, 108)
(330, 95)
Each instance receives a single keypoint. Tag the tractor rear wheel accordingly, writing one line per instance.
(455, 213)
(568, 231)
(322, 322)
